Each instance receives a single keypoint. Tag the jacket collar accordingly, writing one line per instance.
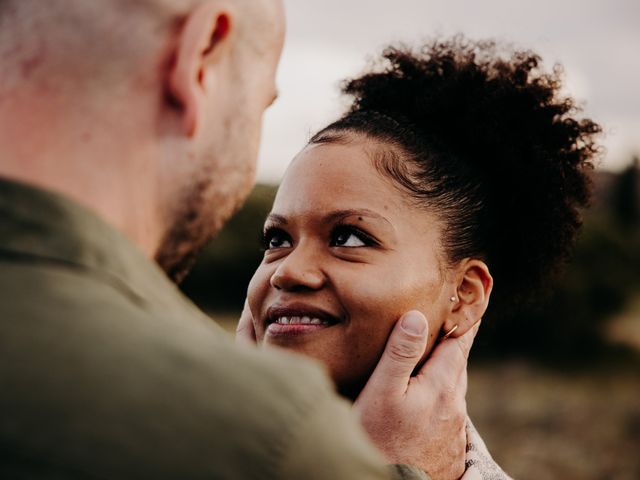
(48, 227)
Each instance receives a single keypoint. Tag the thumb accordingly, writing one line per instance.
(405, 347)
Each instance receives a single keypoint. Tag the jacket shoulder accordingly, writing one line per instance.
(106, 383)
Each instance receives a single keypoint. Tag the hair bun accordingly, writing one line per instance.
(491, 128)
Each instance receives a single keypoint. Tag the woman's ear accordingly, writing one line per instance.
(474, 285)
(200, 45)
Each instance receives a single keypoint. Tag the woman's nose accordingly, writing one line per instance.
(298, 271)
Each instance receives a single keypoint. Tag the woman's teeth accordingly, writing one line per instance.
(301, 321)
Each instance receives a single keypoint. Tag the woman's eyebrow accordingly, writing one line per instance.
(335, 216)
(341, 214)
(275, 218)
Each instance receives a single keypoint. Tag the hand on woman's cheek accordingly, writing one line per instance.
(346, 255)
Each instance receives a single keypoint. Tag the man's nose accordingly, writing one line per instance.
(298, 271)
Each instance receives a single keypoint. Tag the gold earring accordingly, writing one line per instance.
(448, 334)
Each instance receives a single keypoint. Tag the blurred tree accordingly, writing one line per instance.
(626, 197)
(598, 283)
(222, 272)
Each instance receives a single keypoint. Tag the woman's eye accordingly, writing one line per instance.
(349, 237)
(276, 238)
(279, 242)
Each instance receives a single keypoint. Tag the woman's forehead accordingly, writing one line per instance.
(325, 180)
(324, 175)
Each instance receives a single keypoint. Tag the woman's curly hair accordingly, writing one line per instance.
(484, 138)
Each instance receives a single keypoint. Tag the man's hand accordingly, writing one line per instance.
(245, 333)
(416, 420)
(419, 420)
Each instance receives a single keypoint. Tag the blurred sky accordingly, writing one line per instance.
(597, 41)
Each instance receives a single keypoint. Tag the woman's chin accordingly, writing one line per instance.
(340, 370)
(330, 347)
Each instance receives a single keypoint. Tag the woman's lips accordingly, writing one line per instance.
(297, 319)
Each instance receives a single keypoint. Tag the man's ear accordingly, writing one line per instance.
(199, 46)
(474, 285)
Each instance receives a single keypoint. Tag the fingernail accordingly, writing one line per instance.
(414, 323)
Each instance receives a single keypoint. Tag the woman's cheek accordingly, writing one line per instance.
(384, 307)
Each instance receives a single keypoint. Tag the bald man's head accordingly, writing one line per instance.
(101, 40)
(159, 100)
(97, 40)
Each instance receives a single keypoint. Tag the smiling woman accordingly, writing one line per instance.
(453, 167)
(333, 281)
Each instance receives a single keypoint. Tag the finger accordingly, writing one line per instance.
(448, 361)
(403, 351)
(465, 342)
(245, 332)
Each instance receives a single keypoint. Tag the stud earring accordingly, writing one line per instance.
(453, 299)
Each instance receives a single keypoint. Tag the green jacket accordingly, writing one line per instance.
(108, 371)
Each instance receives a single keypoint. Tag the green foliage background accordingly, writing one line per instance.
(219, 279)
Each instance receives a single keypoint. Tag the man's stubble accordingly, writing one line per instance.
(203, 208)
